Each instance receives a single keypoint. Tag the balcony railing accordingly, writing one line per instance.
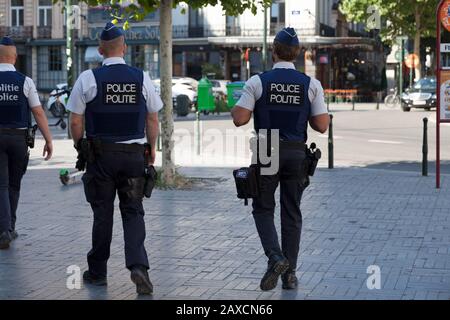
(234, 31)
(196, 32)
(44, 32)
(180, 32)
(17, 32)
(327, 31)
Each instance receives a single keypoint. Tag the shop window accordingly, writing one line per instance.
(138, 56)
(54, 58)
(45, 13)
(50, 67)
(16, 13)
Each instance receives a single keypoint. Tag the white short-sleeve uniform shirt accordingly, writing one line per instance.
(85, 90)
(253, 91)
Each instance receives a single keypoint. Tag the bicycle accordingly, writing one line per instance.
(392, 100)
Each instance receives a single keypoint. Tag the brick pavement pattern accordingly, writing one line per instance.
(202, 243)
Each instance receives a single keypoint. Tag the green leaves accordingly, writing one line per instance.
(405, 17)
(136, 10)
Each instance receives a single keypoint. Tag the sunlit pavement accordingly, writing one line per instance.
(202, 243)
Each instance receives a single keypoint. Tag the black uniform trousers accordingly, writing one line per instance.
(13, 164)
(290, 177)
(102, 181)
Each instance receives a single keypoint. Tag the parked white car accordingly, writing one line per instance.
(186, 86)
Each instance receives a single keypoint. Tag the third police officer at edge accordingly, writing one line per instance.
(18, 100)
(286, 100)
(120, 107)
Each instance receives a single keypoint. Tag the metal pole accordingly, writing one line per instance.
(438, 94)
(158, 141)
(411, 73)
(69, 52)
(400, 89)
(264, 48)
(425, 148)
(198, 131)
(330, 145)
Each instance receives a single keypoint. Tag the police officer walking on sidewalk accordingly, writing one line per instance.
(120, 106)
(282, 99)
(18, 99)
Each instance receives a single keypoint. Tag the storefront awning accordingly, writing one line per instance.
(312, 41)
(92, 55)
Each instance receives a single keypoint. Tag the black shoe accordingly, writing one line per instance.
(139, 276)
(14, 235)
(290, 280)
(278, 265)
(5, 240)
(94, 280)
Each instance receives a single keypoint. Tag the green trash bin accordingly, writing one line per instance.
(234, 92)
(205, 100)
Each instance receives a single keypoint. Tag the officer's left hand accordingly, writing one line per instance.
(48, 151)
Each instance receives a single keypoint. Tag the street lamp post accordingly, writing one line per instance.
(69, 51)
(264, 49)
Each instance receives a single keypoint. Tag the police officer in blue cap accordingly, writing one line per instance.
(284, 100)
(18, 99)
(120, 108)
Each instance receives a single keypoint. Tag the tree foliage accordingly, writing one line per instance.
(399, 17)
(138, 9)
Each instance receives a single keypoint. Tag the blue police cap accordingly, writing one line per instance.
(7, 41)
(287, 36)
(111, 31)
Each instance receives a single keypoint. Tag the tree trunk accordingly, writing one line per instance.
(418, 69)
(168, 165)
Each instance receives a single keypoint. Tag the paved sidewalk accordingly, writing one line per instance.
(203, 245)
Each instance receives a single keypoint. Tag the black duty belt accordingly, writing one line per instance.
(11, 131)
(293, 144)
(123, 147)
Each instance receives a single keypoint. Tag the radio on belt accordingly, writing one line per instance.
(121, 93)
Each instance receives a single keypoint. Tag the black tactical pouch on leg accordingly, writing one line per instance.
(150, 180)
(132, 188)
(247, 182)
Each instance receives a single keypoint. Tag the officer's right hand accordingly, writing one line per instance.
(48, 151)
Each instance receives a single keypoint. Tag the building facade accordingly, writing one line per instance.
(340, 54)
(38, 28)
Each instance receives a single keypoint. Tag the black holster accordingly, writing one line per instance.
(150, 180)
(310, 163)
(247, 182)
(31, 136)
(313, 156)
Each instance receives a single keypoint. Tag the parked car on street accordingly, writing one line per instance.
(185, 86)
(421, 95)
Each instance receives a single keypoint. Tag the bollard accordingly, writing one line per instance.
(197, 119)
(158, 140)
(378, 101)
(353, 102)
(425, 148)
(330, 144)
(328, 102)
